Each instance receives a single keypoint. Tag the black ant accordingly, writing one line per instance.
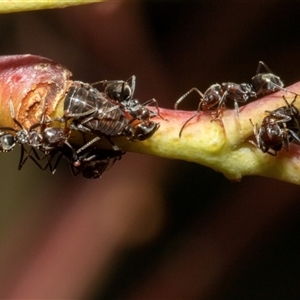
(90, 162)
(46, 139)
(278, 129)
(53, 141)
(93, 162)
(216, 95)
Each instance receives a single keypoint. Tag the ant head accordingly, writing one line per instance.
(266, 83)
(144, 131)
(118, 90)
(7, 142)
(212, 97)
(94, 169)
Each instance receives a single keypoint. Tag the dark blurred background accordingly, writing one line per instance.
(152, 228)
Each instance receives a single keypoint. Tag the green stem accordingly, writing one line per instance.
(224, 145)
(9, 6)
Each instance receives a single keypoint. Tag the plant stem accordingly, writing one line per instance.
(9, 6)
(223, 145)
(37, 85)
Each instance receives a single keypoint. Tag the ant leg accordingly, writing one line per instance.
(260, 65)
(187, 121)
(103, 82)
(8, 128)
(285, 137)
(53, 169)
(283, 89)
(290, 104)
(153, 100)
(133, 80)
(80, 127)
(74, 171)
(256, 134)
(295, 136)
(132, 87)
(277, 114)
(186, 94)
(236, 108)
(22, 159)
(94, 140)
(107, 82)
(114, 161)
(113, 145)
(218, 115)
(35, 159)
(221, 106)
(40, 158)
